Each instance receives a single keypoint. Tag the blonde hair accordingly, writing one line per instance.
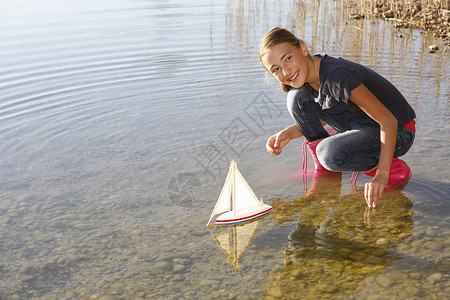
(275, 37)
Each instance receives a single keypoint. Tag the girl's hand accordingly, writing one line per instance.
(277, 141)
(373, 190)
(361, 96)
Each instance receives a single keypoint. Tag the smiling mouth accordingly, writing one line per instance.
(293, 77)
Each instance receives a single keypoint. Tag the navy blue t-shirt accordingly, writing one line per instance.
(338, 77)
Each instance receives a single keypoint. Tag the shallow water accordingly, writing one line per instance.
(118, 123)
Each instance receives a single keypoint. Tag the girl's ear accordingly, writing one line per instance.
(304, 48)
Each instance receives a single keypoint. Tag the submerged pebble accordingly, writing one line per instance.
(209, 282)
(433, 48)
(382, 241)
(178, 268)
(26, 268)
(384, 281)
(434, 278)
(328, 288)
(415, 275)
(433, 245)
(184, 254)
(373, 260)
(378, 252)
(274, 291)
(344, 252)
(199, 232)
(357, 256)
(442, 266)
(163, 266)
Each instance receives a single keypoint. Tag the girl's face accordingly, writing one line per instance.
(288, 63)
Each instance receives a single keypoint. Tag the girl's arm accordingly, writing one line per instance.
(277, 141)
(361, 96)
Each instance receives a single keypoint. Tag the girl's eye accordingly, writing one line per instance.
(275, 70)
(288, 58)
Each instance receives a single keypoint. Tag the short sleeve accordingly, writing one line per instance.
(338, 86)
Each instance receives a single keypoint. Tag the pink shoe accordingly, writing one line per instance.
(400, 174)
(312, 149)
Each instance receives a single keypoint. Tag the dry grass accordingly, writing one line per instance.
(433, 15)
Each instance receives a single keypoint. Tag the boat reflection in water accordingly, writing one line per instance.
(338, 242)
(234, 240)
(236, 217)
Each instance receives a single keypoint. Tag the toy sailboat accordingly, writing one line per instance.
(234, 240)
(237, 203)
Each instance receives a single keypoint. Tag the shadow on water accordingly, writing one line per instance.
(337, 243)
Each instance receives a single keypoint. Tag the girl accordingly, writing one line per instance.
(375, 122)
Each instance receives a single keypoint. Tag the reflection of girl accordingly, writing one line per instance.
(327, 253)
(375, 121)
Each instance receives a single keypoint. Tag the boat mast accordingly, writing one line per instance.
(234, 189)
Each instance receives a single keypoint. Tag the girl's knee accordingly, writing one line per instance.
(329, 158)
(297, 97)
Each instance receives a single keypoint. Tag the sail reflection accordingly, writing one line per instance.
(234, 240)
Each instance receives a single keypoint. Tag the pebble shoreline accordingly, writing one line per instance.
(433, 17)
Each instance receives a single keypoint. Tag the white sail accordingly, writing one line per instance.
(237, 203)
(245, 198)
(223, 204)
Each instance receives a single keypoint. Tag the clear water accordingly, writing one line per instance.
(118, 120)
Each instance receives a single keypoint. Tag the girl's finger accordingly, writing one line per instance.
(375, 198)
(379, 195)
(277, 142)
(366, 193)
